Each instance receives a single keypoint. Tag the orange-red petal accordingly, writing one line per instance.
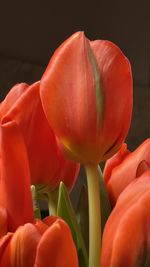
(15, 194)
(3, 221)
(19, 249)
(114, 161)
(126, 238)
(86, 92)
(46, 162)
(56, 247)
(128, 170)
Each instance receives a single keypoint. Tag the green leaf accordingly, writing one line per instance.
(105, 204)
(65, 211)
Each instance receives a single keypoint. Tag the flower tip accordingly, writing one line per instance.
(78, 35)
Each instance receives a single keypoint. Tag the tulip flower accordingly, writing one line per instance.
(126, 239)
(24, 241)
(86, 93)
(128, 166)
(41, 244)
(46, 162)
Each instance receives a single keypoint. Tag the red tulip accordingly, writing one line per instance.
(28, 246)
(126, 238)
(32, 244)
(87, 97)
(46, 162)
(124, 167)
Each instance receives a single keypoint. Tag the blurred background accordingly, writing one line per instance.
(30, 31)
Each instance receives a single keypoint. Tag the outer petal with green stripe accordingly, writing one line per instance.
(86, 93)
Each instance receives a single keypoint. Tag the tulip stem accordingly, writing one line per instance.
(52, 202)
(94, 215)
(51, 197)
(36, 208)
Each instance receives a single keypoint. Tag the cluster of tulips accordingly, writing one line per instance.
(79, 113)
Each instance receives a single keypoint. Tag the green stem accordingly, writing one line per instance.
(94, 215)
(52, 202)
(51, 197)
(36, 209)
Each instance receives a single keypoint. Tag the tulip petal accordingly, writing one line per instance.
(56, 247)
(128, 170)
(23, 245)
(82, 89)
(115, 75)
(4, 250)
(3, 221)
(126, 239)
(41, 226)
(49, 220)
(114, 161)
(45, 160)
(142, 167)
(15, 193)
(69, 169)
(14, 94)
(68, 91)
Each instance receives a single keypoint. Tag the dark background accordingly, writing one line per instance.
(30, 31)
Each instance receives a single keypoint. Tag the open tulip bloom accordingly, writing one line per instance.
(78, 113)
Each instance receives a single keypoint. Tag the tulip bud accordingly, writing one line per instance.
(87, 97)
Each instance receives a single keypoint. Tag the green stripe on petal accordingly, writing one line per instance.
(98, 87)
